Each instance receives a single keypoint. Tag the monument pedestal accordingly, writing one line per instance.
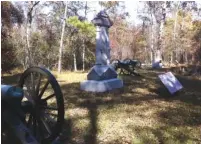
(101, 78)
(101, 86)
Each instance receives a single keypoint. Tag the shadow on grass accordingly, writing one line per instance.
(163, 134)
(66, 135)
(91, 136)
(190, 94)
(181, 116)
(74, 97)
(186, 113)
(172, 117)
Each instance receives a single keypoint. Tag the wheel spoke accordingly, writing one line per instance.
(46, 126)
(33, 83)
(49, 97)
(38, 85)
(50, 108)
(40, 134)
(51, 114)
(29, 91)
(44, 88)
(33, 88)
(34, 126)
(28, 96)
(29, 120)
(49, 118)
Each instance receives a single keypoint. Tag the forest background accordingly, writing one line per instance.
(59, 35)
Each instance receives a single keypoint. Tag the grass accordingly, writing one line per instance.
(141, 112)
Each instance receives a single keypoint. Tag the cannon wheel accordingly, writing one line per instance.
(130, 67)
(139, 65)
(43, 101)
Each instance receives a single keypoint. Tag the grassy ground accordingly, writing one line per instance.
(141, 112)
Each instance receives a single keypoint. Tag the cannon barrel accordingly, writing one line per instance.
(12, 95)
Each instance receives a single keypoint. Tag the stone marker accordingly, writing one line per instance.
(157, 62)
(170, 82)
(102, 77)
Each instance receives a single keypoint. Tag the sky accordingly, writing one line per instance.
(131, 6)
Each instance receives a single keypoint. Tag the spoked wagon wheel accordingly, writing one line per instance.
(43, 103)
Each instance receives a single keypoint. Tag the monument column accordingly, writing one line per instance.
(102, 77)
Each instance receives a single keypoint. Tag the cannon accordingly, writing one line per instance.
(34, 109)
(126, 66)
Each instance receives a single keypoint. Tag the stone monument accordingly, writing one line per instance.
(102, 77)
(157, 62)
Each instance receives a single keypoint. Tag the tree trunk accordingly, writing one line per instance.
(26, 57)
(161, 31)
(145, 55)
(152, 44)
(75, 62)
(174, 32)
(83, 56)
(176, 54)
(151, 57)
(29, 59)
(171, 58)
(48, 61)
(61, 41)
(83, 52)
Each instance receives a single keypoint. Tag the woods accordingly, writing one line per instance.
(58, 35)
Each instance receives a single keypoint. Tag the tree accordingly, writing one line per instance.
(155, 14)
(61, 41)
(33, 39)
(197, 41)
(10, 16)
(29, 61)
(115, 9)
(86, 32)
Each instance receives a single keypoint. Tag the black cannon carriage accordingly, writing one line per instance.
(126, 66)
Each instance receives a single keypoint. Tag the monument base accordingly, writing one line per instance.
(157, 65)
(101, 86)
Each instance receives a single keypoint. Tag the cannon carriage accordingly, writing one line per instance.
(126, 66)
(33, 110)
